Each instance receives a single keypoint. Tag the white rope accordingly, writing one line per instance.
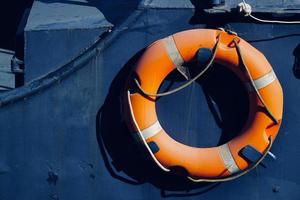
(247, 10)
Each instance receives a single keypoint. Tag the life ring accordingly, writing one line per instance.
(221, 162)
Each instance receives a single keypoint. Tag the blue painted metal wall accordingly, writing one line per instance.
(61, 30)
(67, 139)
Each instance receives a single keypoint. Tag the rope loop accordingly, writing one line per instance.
(211, 61)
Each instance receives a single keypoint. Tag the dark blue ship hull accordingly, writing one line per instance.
(63, 136)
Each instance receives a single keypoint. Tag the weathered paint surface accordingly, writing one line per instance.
(53, 143)
(57, 31)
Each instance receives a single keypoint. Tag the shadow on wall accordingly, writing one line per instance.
(121, 153)
(296, 67)
(10, 16)
(226, 99)
(213, 21)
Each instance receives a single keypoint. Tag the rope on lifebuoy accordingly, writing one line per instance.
(209, 64)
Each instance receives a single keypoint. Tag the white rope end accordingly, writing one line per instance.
(245, 8)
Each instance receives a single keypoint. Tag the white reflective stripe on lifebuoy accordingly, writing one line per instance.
(262, 81)
(151, 130)
(142, 137)
(227, 158)
(265, 80)
(173, 51)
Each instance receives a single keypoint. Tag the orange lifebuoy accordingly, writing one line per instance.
(162, 57)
